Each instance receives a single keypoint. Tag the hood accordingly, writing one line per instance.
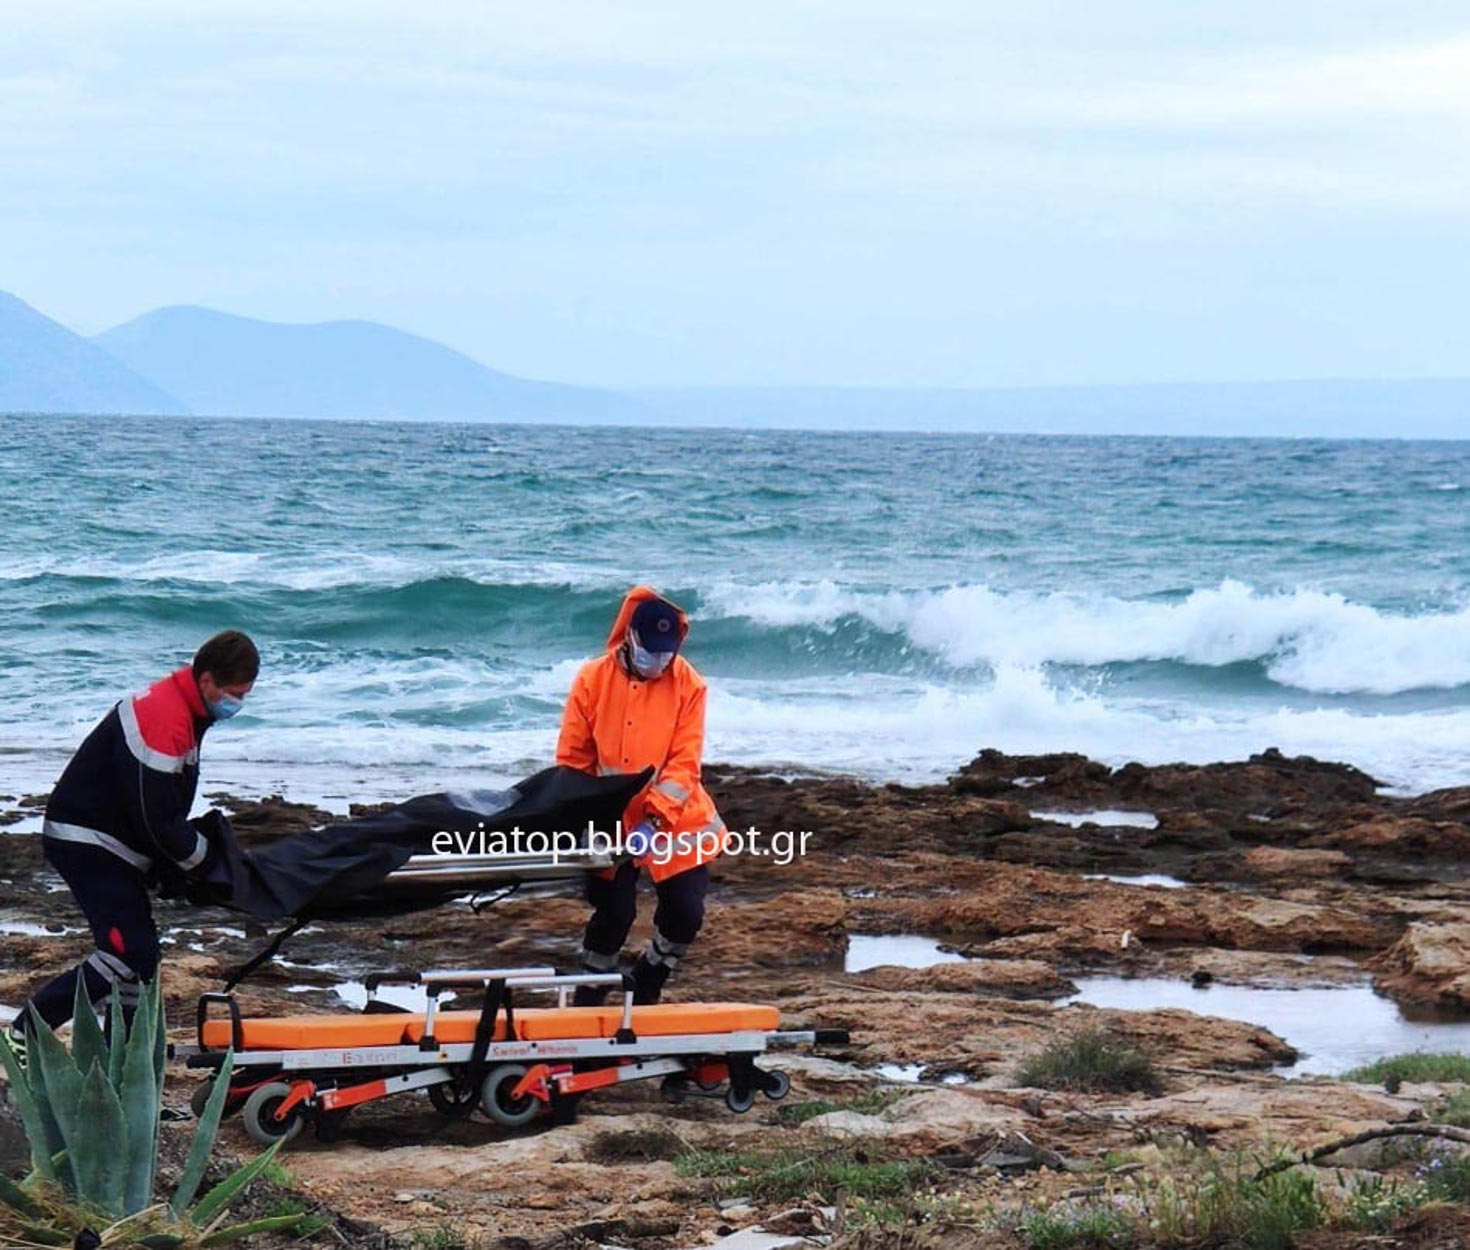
(625, 614)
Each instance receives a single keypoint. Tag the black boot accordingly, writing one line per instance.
(589, 996)
(648, 981)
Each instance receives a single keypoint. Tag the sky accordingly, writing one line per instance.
(925, 193)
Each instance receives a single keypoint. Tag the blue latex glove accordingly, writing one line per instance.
(639, 839)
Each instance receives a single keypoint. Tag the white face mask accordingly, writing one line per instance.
(647, 664)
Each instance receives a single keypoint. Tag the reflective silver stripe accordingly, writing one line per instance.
(673, 789)
(715, 825)
(108, 965)
(664, 950)
(596, 961)
(94, 837)
(201, 849)
(611, 770)
(157, 760)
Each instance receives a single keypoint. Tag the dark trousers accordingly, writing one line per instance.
(114, 898)
(676, 923)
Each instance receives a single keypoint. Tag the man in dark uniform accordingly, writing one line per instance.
(118, 821)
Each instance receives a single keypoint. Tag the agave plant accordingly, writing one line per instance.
(91, 1118)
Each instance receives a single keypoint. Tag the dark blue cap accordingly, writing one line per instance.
(657, 625)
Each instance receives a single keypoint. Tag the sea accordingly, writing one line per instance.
(879, 604)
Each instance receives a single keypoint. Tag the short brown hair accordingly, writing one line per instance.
(230, 657)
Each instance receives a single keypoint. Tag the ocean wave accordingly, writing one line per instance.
(359, 734)
(312, 571)
(1310, 640)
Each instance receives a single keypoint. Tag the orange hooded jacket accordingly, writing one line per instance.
(614, 723)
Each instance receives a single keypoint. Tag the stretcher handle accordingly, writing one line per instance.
(479, 976)
(237, 1030)
(445, 977)
(831, 1037)
(534, 978)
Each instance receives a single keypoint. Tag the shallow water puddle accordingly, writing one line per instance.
(27, 928)
(906, 1072)
(904, 950)
(1105, 816)
(1144, 878)
(410, 997)
(1335, 1028)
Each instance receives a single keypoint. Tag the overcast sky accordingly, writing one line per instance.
(902, 193)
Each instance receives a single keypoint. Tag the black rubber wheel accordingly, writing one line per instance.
(739, 1103)
(200, 1096)
(453, 1099)
(674, 1088)
(777, 1086)
(709, 1087)
(233, 1100)
(496, 1100)
(260, 1110)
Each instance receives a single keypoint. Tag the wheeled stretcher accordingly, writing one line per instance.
(513, 1063)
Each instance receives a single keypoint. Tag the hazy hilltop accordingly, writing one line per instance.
(44, 367)
(223, 365)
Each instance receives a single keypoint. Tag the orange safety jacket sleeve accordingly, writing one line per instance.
(679, 779)
(576, 747)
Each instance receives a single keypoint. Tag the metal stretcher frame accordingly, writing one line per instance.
(512, 1080)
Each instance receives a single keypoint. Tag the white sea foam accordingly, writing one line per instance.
(1315, 641)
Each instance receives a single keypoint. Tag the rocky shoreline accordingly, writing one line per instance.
(1020, 872)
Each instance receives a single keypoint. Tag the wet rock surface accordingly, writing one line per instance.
(1295, 874)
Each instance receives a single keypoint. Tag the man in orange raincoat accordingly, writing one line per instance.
(637, 705)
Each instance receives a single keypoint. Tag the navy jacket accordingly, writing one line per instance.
(130, 786)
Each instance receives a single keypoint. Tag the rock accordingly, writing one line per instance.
(1280, 863)
(1430, 965)
(1405, 837)
(802, 927)
(1008, 978)
(1016, 900)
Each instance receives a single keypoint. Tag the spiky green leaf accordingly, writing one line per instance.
(117, 1043)
(87, 1042)
(55, 1082)
(16, 1198)
(203, 1143)
(266, 1224)
(30, 1112)
(152, 1003)
(220, 1197)
(140, 1098)
(99, 1156)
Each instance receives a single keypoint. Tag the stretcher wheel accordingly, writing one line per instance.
(777, 1085)
(496, 1100)
(453, 1098)
(199, 1097)
(739, 1103)
(709, 1087)
(259, 1114)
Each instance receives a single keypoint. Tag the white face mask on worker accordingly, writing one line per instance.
(647, 664)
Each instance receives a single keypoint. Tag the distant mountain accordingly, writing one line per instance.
(221, 365)
(1408, 408)
(44, 367)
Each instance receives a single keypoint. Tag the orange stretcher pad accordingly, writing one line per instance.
(534, 1024)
